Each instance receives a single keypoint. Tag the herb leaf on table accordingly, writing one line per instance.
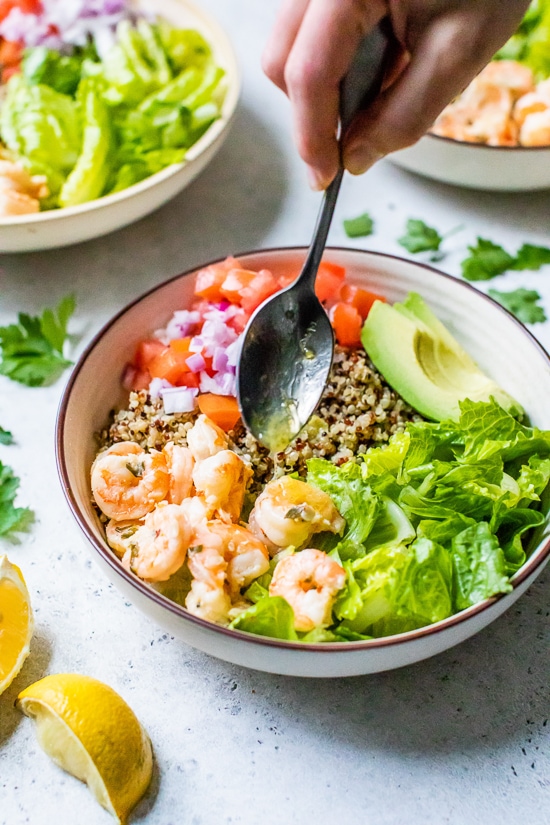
(11, 518)
(420, 237)
(359, 227)
(486, 261)
(522, 303)
(6, 437)
(531, 257)
(31, 351)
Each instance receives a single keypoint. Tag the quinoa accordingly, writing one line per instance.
(358, 410)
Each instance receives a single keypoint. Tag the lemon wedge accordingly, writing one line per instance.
(16, 623)
(90, 731)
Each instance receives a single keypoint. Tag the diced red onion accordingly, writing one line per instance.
(195, 362)
(179, 399)
(233, 352)
(219, 384)
(219, 359)
(196, 344)
(157, 385)
(181, 324)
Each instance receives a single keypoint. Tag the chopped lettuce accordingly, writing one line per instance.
(89, 176)
(436, 520)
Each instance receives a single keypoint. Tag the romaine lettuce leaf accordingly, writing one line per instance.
(89, 176)
(402, 588)
(354, 500)
(43, 127)
(479, 566)
(270, 616)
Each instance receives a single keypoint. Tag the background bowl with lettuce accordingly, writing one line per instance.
(112, 107)
(504, 164)
(480, 499)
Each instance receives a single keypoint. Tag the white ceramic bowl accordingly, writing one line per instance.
(500, 344)
(61, 227)
(476, 166)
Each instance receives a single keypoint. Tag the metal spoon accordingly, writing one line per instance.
(289, 342)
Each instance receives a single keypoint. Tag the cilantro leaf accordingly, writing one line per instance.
(420, 237)
(11, 518)
(522, 303)
(486, 261)
(359, 227)
(531, 257)
(5, 437)
(31, 351)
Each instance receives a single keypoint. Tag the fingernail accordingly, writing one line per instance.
(357, 159)
(316, 180)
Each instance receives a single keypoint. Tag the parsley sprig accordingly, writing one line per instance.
(419, 237)
(32, 350)
(523, 303)
(487, 260)
(12, 518)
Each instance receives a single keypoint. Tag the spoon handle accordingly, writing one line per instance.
(359, 88)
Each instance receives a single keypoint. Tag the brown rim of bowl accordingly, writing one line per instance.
(530, 566)
(471, 143)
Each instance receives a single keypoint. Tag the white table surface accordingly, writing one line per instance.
(460, 739)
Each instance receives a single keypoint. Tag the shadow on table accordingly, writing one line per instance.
(473, 696)
(229, 208)
(34, 668)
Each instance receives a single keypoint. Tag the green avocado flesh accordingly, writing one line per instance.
(422, 361)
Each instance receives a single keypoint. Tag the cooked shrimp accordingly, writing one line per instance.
(120, 535)
(180, 463)
(246, 556)
(210, 603)
(508, 74)
(289, 511)
(221, 480)
(127, 482)
(19, 191)
(205, 439)
(536, 129)
(158, 548)
(527, 105)
(195, 510)
(308, 581)
(226, 558)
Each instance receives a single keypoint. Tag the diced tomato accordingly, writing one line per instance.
(330, 278)
(360, 298)
(146, 351)
(189, 379)
(134, 379)
(223, 410)
(347, 325)
(235, 282)
(141, 381)
(181, 346)
(10, 53)
(169, 365)
(8, 71)
(209, 280)
(26, 6)
(239, 321)
(248, 288)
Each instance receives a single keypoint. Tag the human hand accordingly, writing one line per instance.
(439, 46)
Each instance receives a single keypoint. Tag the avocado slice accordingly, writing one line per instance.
(420, 359)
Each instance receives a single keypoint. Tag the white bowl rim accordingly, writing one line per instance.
(525, 571)
(228, 110)
(472, 144)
